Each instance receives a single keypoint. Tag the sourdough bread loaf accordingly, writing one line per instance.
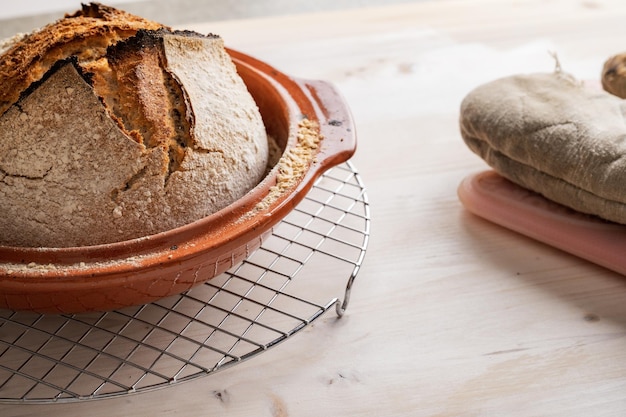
(113, 127)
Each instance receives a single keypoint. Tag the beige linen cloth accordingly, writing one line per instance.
(550, 134)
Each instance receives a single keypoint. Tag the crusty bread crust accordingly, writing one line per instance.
(150, 133)
(55, 175)
(85, 34)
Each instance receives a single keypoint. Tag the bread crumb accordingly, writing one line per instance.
(37, 269)
(292, 165)
(117, 212)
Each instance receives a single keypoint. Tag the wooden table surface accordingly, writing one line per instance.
(450, 315)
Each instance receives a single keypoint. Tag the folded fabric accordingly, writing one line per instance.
(551, 134)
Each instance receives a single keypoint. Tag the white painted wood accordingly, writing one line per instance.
(450, 315)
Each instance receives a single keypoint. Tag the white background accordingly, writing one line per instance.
(34, 7)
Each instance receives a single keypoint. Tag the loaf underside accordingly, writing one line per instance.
(150, 133)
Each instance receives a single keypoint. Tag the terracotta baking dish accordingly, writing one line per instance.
(138, 271)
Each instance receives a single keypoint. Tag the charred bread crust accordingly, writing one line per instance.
(73, 60)
(83, 34)
(143, 97)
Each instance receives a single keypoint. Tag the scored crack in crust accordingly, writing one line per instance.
(85, 34)
(142, 96)
(124, 130)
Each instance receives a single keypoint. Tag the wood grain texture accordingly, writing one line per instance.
(450, 315)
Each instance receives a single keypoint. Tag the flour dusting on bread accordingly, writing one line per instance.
(113, 127)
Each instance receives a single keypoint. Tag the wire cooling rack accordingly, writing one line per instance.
(281, 288)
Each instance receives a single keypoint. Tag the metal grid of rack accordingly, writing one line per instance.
(233, 317)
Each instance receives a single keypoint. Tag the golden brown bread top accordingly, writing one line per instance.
(123, 62)
(142, 96)
(85, 34)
